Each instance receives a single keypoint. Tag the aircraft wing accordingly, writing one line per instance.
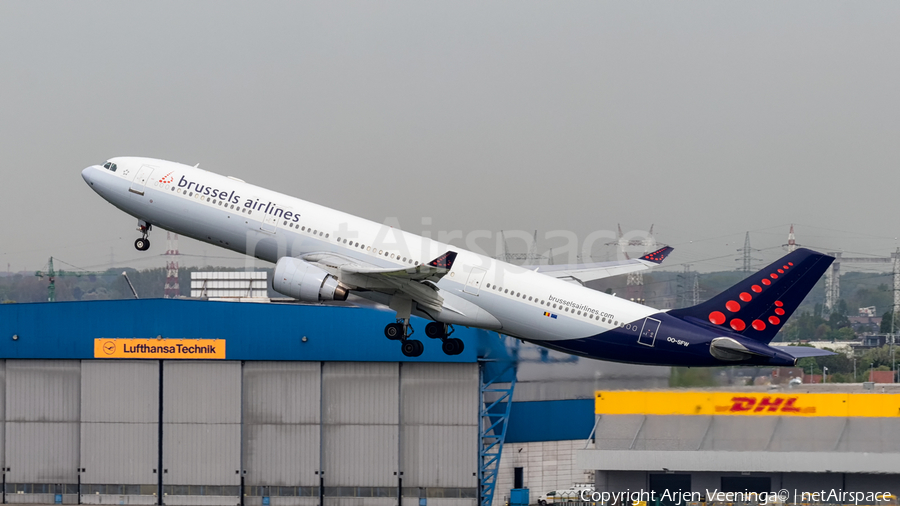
(582, 273)
(417, 282)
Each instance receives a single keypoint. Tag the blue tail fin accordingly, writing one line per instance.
(758, 306)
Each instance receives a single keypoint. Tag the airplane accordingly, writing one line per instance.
(321, 254)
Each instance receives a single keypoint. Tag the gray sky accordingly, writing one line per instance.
(707, 119)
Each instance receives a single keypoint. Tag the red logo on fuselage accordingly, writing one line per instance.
(167, 178)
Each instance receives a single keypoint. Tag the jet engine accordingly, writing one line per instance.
(303, 280)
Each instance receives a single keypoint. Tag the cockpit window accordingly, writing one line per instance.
(109, 166)
(112, 167)
(106, 165)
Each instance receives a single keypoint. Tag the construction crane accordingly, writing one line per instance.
(52, 275)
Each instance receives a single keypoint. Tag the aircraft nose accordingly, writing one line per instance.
(89, 174)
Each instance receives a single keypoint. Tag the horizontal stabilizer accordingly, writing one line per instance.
(805, 351)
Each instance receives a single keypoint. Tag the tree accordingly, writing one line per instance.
(886, 323)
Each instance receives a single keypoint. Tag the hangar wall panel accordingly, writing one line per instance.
(201, 392)
(870, 435)
(201, 454)
(281, 416)
(439, 411)
(2, 413)
(360, 393)
(120, 391)
(733, 433)
(440, 456)
(672, 432)
(798, 435)
(440, 394)
(43, 390)
(360, 416)
(360, 455)
(119, 453)
(284, 455)
(42, 452)
(360, 501)
(281, 392)
(201, 429)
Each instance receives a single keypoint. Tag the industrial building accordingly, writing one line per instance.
(293, 405)
(841, 438)
(201, 402)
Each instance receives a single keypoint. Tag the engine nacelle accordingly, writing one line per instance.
(303, 280)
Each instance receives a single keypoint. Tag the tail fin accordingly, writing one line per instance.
(758, 306)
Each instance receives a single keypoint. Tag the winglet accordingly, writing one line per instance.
(444, 261)
(658, 256)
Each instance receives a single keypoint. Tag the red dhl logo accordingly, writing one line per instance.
(768, 403)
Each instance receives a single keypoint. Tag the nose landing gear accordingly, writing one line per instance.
(442, 331)
(143, 244)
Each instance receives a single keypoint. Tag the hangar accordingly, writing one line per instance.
(829, 437)
(106, 402)
(103, 402)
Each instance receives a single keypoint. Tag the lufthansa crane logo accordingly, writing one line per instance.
(109, 347)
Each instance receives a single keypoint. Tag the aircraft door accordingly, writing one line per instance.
(269, 223)
(473, 284)
(648, 332)
(140, 179)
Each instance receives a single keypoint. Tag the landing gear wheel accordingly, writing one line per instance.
(394, 331)
(449, 347)
(142, 244)
(452, 346)
(412, 348)
(435, 330)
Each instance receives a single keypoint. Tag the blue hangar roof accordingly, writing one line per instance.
(251, 331)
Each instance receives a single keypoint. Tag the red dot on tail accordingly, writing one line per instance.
(732, 306)
(791, 264)
(738, 324)
(785, 267)
(745, 297)
(717, 317)
(779, 311)
(756, 288)
(759, 325)
(774, 320)
(780, 271)
(779, 303)
(773, 276)
(766, 282)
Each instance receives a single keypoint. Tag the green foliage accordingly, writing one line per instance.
(840, 366)
(805, 327)
(841, 334)
(886, 323)
(690, 377)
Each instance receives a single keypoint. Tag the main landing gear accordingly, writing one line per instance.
(143, 244)
(401, 331)
(442, 331)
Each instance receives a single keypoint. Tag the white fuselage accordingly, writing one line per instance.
(268, 225)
